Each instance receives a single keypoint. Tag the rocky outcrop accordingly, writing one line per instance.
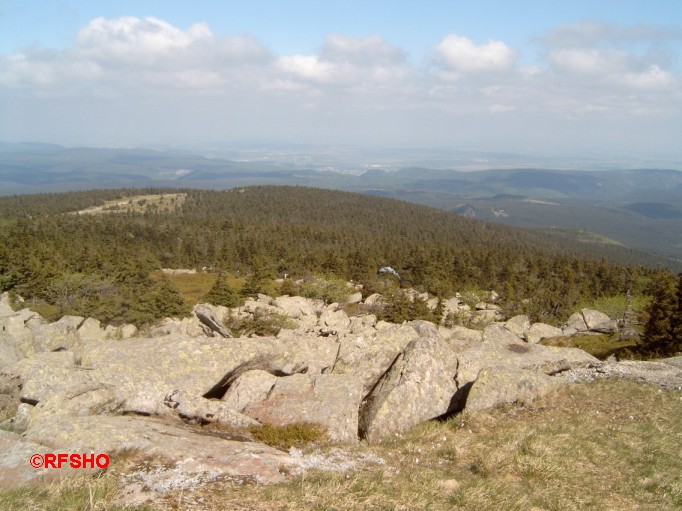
(200, 410)
(208, 315)
(143, 371)
(539, 331)
(74, 384)
(369, 357)
(328, 400)
(663, 375)
(495, 386)
(419, 386)
(190, 451)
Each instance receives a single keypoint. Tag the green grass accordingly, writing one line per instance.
(601, 346)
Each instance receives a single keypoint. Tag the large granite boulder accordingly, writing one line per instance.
(249, 388)
(329, 400)
(200, 410)
(419, 386)
(143, 371)
(518, 325)
(368, 357)
(495, 386)
(540, 331)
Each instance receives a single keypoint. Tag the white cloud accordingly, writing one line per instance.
(307, 67)
(136, 40)
(361, 51)
(652, 78)
(155, 77)
(588, 33)
(590, 61)
(461, 54)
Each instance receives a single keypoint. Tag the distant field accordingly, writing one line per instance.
(164, 202)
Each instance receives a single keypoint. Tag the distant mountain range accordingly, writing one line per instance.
(639, 208)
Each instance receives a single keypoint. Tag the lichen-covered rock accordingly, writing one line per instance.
(249, 388)
(204, 411)
(593, 318)
(330, 400)
(190, 451)
(497, 333)
(419, 386)
(518, 325)
(539, 331)
(143, 371)
(495, 386)
(368, 357)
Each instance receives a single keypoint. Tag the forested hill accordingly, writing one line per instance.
(294, 230)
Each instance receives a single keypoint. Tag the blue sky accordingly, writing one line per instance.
(601, 76)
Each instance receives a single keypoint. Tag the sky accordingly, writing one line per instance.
(583, 77)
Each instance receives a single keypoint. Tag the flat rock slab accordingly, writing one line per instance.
(330, 400)
(496, 386)
(190, 449)
(663, 375)
(143, 371)
(519, 355)
(15, 469)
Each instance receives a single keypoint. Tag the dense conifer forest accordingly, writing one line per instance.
(101, 265)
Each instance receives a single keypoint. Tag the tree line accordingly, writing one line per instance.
(100, 265)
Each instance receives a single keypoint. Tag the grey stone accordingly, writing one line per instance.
(330, 400)
(495, 386)
(594, 318)
(518, 325)
(204, 411)
(249, 388)
(539, 331)
(368, 357)
(419, 386)
(188, 449)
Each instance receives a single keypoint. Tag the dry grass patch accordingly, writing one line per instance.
(612, 444)
(601, 346)
(286, 437)
(608, 445)
(160, 203)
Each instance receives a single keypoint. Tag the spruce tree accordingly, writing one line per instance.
(676, 322)
(658, 332)
(221, 293)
